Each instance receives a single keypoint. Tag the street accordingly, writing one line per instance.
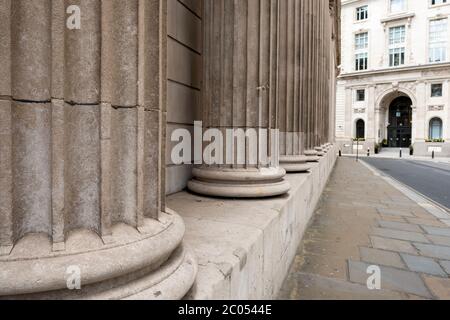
(429, 178)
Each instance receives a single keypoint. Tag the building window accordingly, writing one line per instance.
(398, 6)
(361, 53)
(360, 129)
(437, 2)
(362, 41)
(361, 61)
(436, 90)
(396, 57)
(362, 13)
(361, 95)
(397, 38)
(438, 40)
(435, 129)
(397, 35)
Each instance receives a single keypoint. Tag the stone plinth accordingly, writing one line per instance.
(244, 248)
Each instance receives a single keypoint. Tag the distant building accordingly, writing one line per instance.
(394, 83)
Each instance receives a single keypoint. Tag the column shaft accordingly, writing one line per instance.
(292, 91)
(238, 100)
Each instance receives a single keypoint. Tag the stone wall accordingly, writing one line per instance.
(184, 79)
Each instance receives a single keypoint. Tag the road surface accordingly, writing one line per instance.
(429, 178)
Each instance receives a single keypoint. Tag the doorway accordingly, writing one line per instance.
(400, 123)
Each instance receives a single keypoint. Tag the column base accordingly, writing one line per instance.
(320, 151)
(295, 164)
(149, 264)
(239, 183)
(311, 155)
(325, 148)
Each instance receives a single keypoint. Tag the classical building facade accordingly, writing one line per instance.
(394, 85)
(90, 94)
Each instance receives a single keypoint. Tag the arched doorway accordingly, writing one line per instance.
(400, 123)
(360, 129)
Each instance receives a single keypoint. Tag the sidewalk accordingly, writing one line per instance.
(394, 153)
(362, 221)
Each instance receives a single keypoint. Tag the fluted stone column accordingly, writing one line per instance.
(239, 92)
(82, 125)
(292, 86)
(309, 23)
(319, 76)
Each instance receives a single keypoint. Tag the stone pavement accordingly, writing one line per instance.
(363, 221)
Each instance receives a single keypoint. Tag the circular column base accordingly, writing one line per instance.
(239, 183)
(150, 263)
(320, 151)
(325, 148)
(312, 155)
(295, 164)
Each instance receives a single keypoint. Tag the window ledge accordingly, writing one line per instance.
(400, 16)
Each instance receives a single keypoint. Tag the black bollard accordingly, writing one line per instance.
(340, 153)
(400, 153)
(432, 155)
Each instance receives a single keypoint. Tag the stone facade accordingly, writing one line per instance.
(86, 116)
(421, 69)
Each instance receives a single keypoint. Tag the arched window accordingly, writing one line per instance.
(360, 129)
(435, 129)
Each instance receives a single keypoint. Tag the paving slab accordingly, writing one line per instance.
(423, 265)
(440, 240)
(439, 287)
(434, 251)
(392, 245)
(305, 286)
(392, 218)
(395, 212)
(391, 279)
(426, 221)
(400, 235)
(403, 226)
(382, 257)
(436, 231)
(446, 266)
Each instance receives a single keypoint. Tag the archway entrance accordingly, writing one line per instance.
(400, 123)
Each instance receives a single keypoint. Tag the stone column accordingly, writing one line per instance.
(291, 86)
(82, 124)
(310, 23)
(239, 99)
(318, 78)
(324, 75)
